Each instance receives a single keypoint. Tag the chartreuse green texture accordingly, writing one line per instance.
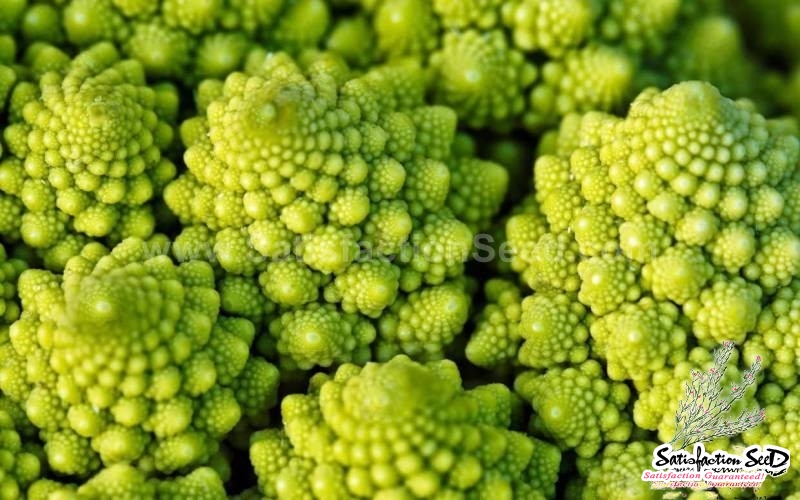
(646, 235)
(10, 269)
(616, 472)
(485, 57)
(124, 359)
(185, 40)
(659, 223)
(781, 426)
(125, 481)
(8, 73)
(341, 192)
(199, 198)
(777, 335)
(495, 339)
(369, 432)
(19, 459)
(86, 143)
(527, 63)
(20, 462)
(577, 407)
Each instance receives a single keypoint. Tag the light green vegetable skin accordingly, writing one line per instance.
(390, 249)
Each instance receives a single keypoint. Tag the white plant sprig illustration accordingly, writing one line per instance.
(704, 413)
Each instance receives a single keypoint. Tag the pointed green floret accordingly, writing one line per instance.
(726, 310)
(552, 26)
(496, 338)
(141, 368)
(639, 338)
(400, 430)
(321, 335)
(553, 327)
(483, 78)
(577, 406)
(92, 159)
(337, 186)
(425, 322)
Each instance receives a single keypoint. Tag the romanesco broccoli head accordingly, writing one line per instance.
(87, 151)
(125, 359)
(342, 187)
(368, 432)
(659, 223)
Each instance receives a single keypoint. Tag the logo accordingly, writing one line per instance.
(706, 413)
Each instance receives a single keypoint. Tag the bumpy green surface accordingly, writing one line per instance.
(646, 236)
(19, 461)
(124, 359)
(371, 433)
(342, 187)
(311, 179)
(124, 481)
(87, 151)
(691, 185)
(577, 406)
